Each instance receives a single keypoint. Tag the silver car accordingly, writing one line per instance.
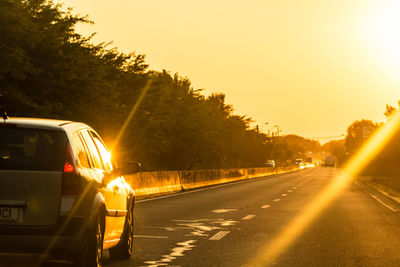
(61, 194)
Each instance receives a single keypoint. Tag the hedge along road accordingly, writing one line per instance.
(227, 225)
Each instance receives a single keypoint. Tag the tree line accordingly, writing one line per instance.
(385, 162)
(49, 70)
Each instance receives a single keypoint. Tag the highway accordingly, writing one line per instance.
(227, 225)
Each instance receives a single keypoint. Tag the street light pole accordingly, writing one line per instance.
(266, 123)
(278, 131)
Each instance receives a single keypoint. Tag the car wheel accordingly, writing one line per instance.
(93, 255)
(124, 248)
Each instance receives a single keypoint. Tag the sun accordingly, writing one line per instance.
(380, 29)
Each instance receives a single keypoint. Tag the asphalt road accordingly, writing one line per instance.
(229, 224)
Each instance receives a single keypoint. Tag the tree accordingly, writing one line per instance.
(47, 69)
(300, 146)
(337, 149)
(357, 133)
(390, 110)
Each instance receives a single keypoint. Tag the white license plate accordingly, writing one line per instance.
(8, 215)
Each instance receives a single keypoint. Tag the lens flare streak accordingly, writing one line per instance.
(268, 254)
(130, 116)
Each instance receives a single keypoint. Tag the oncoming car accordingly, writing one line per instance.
(298, 162)
(61, 194)
(270, 163)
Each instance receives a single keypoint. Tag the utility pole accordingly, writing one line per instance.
(277, 132)
(277, 127)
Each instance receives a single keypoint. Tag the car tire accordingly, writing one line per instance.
(93, 255)
(125, 246)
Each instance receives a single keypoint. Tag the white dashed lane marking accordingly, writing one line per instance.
(284, 195)
(223, 210)
(276, 200)
(289, 191)
(219, 235)
(265, 206)
(150, 236)
(249, 217)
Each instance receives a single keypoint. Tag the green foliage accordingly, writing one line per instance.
(386, 163)
(357, 133)
(300, 145)
(383, 164)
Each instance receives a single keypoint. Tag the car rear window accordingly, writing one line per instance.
(32, 149)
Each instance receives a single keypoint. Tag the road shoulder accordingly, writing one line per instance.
(380, 192)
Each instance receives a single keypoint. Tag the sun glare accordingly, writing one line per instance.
(130, 116)
(380, 29)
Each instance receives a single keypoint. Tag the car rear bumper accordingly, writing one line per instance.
(41, 244)
(67, 235)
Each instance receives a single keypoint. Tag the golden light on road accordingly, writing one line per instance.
(271, 251)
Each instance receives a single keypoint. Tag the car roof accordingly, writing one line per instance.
(43, 123)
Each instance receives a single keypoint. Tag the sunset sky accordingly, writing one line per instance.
(310, 66)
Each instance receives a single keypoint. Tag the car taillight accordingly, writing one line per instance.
(71, 181)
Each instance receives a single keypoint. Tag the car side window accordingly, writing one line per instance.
(80, 150)
(104, 153)
(92, 150)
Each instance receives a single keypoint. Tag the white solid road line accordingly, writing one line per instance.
(265, 206)
(276, 200)
(377, 199)
(249, 217)
(219, 235)
(150, 236)
(383, 203)
(380, 201)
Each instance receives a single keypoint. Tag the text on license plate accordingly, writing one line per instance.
(8, 215)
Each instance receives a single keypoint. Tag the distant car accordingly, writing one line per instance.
(61, 194)
(329, 161)
(270, 163)
(298, 162)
